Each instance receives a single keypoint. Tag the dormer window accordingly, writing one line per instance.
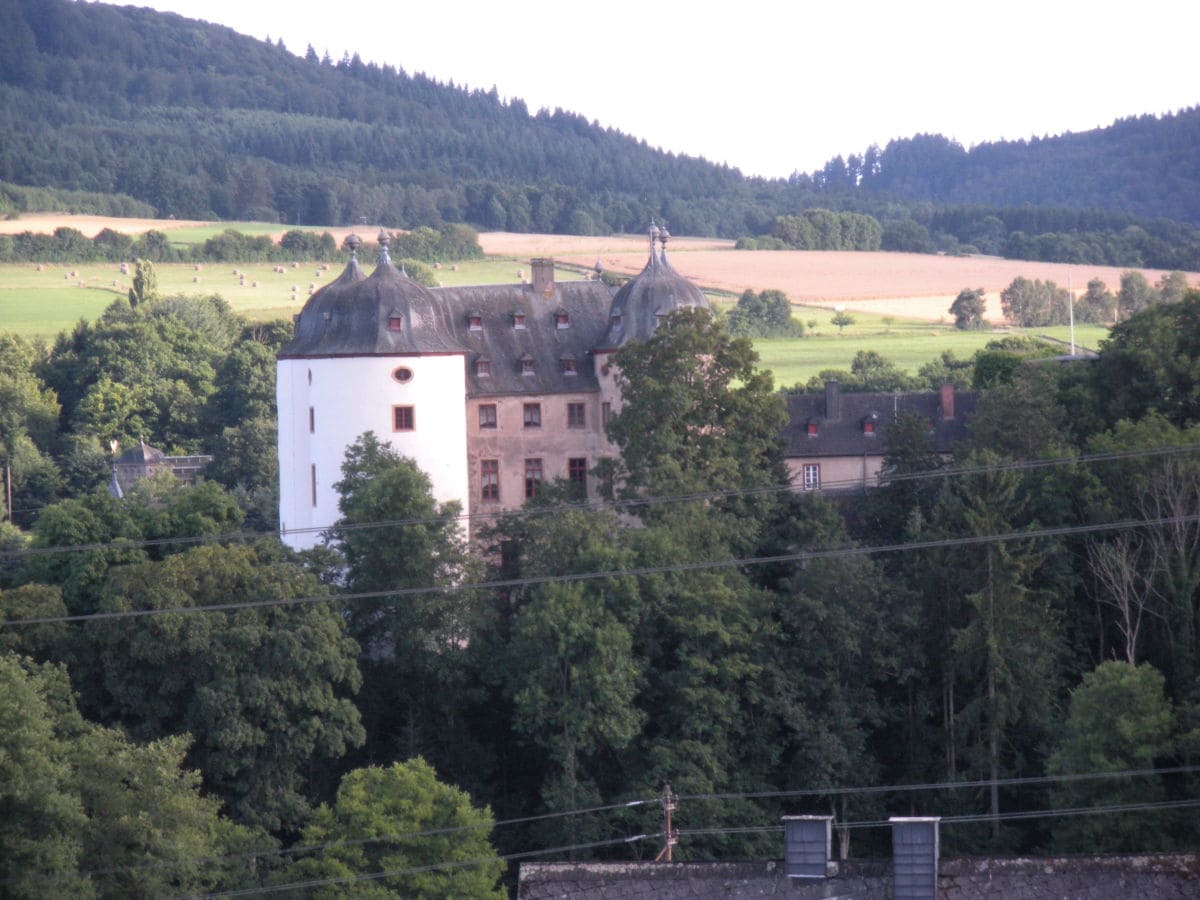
(568, 365)
(868, 425)
(483, 367)
(518, 319)
(395, 323)
(615, 320)
(813, 429)
(660, 319)
(561, 319)
(475, 321)
(527, 366)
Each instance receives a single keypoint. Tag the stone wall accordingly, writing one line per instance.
(1146, 877)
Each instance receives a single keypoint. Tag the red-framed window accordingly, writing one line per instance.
(533, 476)
(489, 479)
(577, 469)
(404, 418)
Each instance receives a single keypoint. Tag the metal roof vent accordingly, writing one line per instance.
(915, 847)
(806, 844)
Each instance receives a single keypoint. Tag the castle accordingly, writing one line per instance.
(490, 389)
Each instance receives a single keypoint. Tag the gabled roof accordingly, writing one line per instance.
(842, 433)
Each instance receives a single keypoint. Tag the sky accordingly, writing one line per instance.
(773, 87)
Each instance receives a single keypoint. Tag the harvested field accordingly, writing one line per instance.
(899, 284)
(907, 285)
(45, 223)
(584, 250)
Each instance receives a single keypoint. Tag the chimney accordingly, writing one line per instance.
(947, 401)
(806, 844)
(543, 276)
(833, 401)
(915, 858)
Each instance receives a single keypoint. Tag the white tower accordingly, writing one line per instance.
(370, 354)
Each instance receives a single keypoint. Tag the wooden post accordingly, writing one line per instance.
(669, 833)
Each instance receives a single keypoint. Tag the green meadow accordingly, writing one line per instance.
(39, 303)
(907, 343)
(42, 301)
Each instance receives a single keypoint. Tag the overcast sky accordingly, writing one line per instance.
(772, 87)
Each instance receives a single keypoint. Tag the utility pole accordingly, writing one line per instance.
(1071, 308)
(671, 835)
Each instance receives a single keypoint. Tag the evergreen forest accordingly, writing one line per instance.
(127, 110)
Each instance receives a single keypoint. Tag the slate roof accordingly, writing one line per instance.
(585, 305)
(351, 316)
(141, 454)
(657, 290)
(842, 433)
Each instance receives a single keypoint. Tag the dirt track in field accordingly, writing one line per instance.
(901, 284)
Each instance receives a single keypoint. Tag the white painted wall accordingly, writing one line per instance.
(352, 395)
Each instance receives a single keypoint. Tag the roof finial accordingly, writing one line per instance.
(352, 241)
(663, 237)
(654, 235)
(384, 258)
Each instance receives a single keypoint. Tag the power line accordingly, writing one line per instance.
(636, 572)
(947, 785)
(693, 832)
(597, 505)
(629, 804)
(432, 867)
(313, 848)
(972, 818)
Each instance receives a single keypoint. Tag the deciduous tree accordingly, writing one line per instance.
(262, 690)
(448, 856)
(968, 309)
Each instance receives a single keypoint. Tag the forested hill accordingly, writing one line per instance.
(1146, 166)
(200, 121)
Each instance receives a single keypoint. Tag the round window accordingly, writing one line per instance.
(403, 374)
